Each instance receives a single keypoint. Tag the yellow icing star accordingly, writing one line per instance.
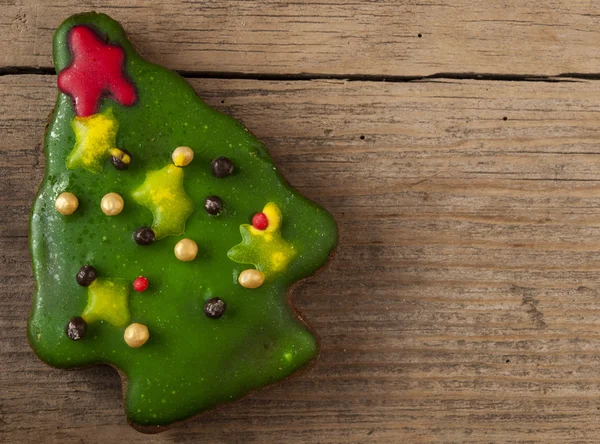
(162, 193)
(265, 249)
(108, 300)
(95, 136)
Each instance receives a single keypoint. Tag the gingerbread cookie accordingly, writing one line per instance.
(164, 240)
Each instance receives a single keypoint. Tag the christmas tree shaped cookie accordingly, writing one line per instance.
(164, 240)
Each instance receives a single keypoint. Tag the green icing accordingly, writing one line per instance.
(191, 363)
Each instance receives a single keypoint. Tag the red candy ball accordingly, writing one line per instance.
(140, 284)
(260, 221)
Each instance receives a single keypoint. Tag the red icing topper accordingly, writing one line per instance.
(96, 71)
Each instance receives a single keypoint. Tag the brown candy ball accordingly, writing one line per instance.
(144, 236)
(213, 205)
(121, 159)
(76, 328)
(222, 167)
(86, 275)
(214, 308)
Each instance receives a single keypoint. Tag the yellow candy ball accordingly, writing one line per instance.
(186, 250)
(66, 203)
(136, 335)
(182, 156)
(112, 204)
(251, 278)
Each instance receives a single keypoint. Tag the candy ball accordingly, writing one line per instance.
(144, 236)
(66, 203)
(260, 221)
(86, 275)
(136, 335)
(222, 167)
(121, 159)
(214, 308)
(251, 278)
(140, 284)
(213, 205)
(182, 156)
(186, 250)
(76, 328)
(112, 204)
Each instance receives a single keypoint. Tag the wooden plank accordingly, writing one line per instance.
(330, 37)
(462, 305)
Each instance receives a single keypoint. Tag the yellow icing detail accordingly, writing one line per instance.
(273, 214)
(256, 232)
(116, 152)
(108, 300)
(95, 136)
(179, 160)
(266, 250)
(162, 193)
(278, 260)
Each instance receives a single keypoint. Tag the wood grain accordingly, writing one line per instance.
(335, 37)
(462, 305)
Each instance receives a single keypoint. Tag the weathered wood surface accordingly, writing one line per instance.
(462, 306)
(341, 37)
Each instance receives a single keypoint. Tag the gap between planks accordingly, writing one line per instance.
(226, 75)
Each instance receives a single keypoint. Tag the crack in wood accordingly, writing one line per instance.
(231, 75)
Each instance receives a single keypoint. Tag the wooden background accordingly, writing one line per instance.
(456, 143)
